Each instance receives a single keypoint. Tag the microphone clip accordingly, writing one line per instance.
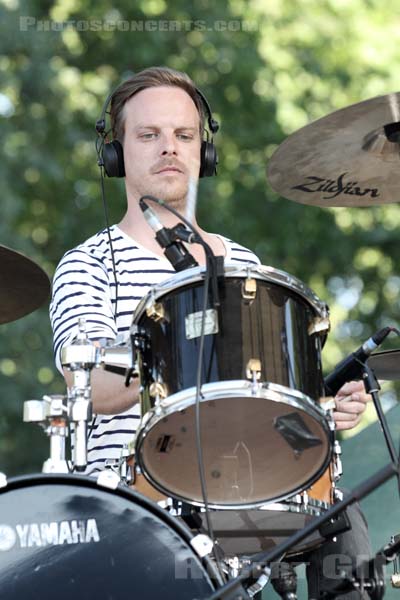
(174, 250)
(179, 233)
(183, 234)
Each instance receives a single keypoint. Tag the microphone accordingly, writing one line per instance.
(177, 254)
(350, 367)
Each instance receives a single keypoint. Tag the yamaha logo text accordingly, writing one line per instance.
(29, 535)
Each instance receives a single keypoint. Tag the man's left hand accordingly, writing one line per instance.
(351, 401)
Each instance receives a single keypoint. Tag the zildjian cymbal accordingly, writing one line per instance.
(24, 286)
(350, 157)
(386, 364)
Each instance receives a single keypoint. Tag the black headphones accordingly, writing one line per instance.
(111, 154)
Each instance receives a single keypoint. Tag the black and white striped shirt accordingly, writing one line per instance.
(84, 286)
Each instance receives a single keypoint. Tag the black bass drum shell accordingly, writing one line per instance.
(66, 537)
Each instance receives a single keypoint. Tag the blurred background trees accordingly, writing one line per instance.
(267, 69)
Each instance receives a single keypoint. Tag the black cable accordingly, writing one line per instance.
(107, 220)
(395, 330)
(209, 273)
(99, 144)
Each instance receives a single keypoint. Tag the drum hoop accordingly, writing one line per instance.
(294, 504)
(262, 272)
(232, 387)
(151, 418)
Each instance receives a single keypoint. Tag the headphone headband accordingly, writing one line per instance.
(212, 123)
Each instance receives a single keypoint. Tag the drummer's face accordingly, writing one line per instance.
(161, 143)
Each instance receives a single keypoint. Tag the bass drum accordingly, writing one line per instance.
(66, 537)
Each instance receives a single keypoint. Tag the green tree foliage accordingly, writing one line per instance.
(267, 69)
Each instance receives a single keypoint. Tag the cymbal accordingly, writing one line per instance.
(350, 157)
(24, 286)
(386, 364)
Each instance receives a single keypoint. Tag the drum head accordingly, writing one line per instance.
(257, 446)
(65, 537)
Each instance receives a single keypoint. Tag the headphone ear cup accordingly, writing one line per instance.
(208, 159)
(113, 159)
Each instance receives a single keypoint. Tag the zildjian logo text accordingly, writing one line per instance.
(333, 188)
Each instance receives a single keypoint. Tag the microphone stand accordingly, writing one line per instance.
(214, 268)
(234, 590)
(214, 263)
(372, 387)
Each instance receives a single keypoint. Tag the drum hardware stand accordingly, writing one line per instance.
(80, 357)
(55, 413)
(259, 562)
(51, 413)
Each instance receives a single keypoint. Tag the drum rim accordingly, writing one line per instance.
(231, 270)
(233, 386)
(38, 479)
(293, 505)
(153, 419)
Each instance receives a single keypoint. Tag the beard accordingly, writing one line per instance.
(177, 201)
(173, 193)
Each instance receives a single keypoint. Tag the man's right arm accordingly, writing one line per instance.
(110, 396)
(81, 288)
